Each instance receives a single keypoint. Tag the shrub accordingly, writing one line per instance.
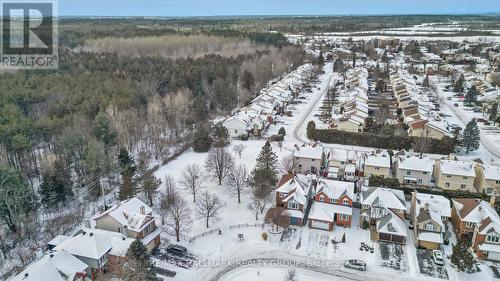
(264, 236)
(244, 137)
(277, 138)
(282, 131)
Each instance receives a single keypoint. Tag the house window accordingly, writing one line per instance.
(465, 178)
(492, 238)
(448, 176)
(235, 131)
(342, 162)
(293, 205)
(377, 168)
(419, 181)
(497, 182)
(447, 184)
(469, 224)
(332, 200)
(343, 217)
(429, 227)
(425, 173)
(463, 186)
(282, 195)
(322, 198)
(312, 160)
(346, 202)
(408, 173)
(313, 169)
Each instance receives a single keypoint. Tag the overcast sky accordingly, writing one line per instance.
(272, 7)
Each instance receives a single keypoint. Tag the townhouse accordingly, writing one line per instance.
(332, 205)
(383, 210)
(476, 220)
(414, 170)
(132, 218)
(337, 163)
(309, 159)
(429, 216)
(455, 175)
(487, 179)
(377, 165)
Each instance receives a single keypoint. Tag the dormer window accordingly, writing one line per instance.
(322, 198)
(346, 201)
(293, 205)
(492, 238)
(469, 224)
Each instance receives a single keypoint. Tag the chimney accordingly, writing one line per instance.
(143, 210)
(492, 201)
(426, 206)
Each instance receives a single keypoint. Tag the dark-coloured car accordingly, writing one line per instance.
(176, 250)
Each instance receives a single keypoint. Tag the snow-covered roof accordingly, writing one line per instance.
(350, 168)
(459, 168)
(475, 210)
(378, 161)
(487, 247)
(431, 206)
(338, 154)
(95, 243)
(335, 189)
(433, 237)
(58, 240)
(392, 224)
(415, 163)
(384, 197)
(309, 152)
(128, 213)
(491, 172)
(326, 212)
(57, 266)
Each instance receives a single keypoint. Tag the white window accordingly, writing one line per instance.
(332, 200)
(293, 205)
(377, 168)
(322, 198)
(492, 238)
(282, 195)
(408, 173)
(469, 224)
(463, 186)
(465, 178)
(425, 173)
(343, 217)
(346, 201)
(429, 227)
(419, 181)
(447, 184)
(235, 131)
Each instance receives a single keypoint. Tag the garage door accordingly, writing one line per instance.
(494, 256)
(320, 225)
(294, 221)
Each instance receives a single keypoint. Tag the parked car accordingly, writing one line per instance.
(176, 250)
(437, 256)
(477, 109)
(356, 264)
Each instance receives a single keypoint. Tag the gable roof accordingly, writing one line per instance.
(335, 189)
(57, 266)
(475, 210)
(378, 161)
(385, 197)
(491, 172)
(128, 213)
(458, 168)
(431, 207)
(309, 152)
(392, 224)
(415, 163)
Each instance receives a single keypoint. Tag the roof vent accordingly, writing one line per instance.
(26, 275)
(51, 255)
(90, 234)
(84, 232)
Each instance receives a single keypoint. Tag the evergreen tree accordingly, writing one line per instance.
(17, 199)
(103, 130)
(128, 187)
(282, 131)
(470, 138)
(56, 186)
(150, 186)
(459, 84)
(247, 80)
(125, 159)
(267, 159)
(462, 258)
(494, 111)
(264, 175)
(426, 83)
(201, 138)
(220, 136)
(138, 265)
(471, 96)
(311, 129)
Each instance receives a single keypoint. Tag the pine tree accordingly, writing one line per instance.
(426, 83)
(128, 187)
(463, 259)
(470, 138)
(220, 136)
(267, 159)
(201, 138)
(459, 84)
(311, 129)
(56, 186)
(150, 186)
(493, 111)
(138, 265)
(471, 96)
(264, 176)
(282, 131)
(125, 159)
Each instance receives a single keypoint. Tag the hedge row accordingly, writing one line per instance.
(446, 145)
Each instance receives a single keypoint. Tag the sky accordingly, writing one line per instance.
(272, 7)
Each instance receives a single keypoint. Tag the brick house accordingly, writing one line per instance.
(292, 194)
(477, 220)
(332, 205)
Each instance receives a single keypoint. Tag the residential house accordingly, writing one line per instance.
(56, 266)
(134, 219)
(455, 175)
(292, 194)
(336, 163)
(309, 159)
(487, 179)
(414, 170)
(332, 205)
(383, 209)
(236, 125)
(477, 220)
(101, 250)
(429, 215)
(377, 165)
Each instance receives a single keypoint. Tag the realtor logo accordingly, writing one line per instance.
(28, 35)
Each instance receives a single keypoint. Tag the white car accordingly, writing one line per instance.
(355, 264)
(437, 256)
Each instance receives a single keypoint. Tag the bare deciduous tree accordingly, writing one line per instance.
(192, 179)
(208, 206)
(287, 165)
(291, 275)
(238, 149)
(219, 162)
(258, 205)
(178, 216)
(237, 180)
(422, 145)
